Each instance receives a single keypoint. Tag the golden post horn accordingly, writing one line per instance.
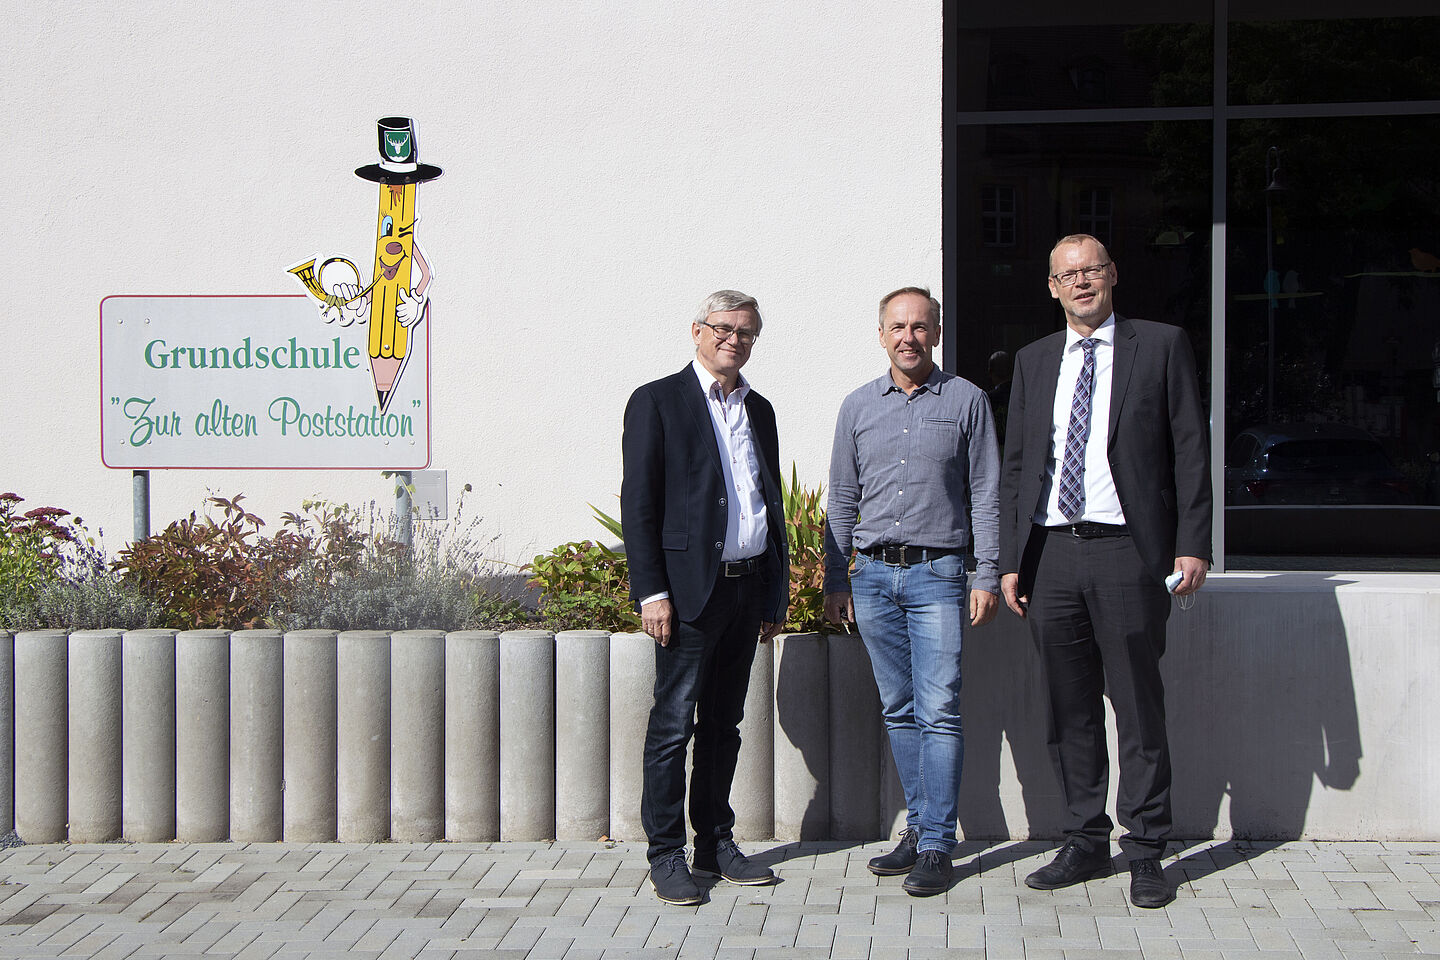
(310, 277)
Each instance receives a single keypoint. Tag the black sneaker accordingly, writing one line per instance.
(672, 880)
(899, 860)
(931, 875)
(727, 861)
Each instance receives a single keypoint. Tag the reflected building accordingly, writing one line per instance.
(1264, 177)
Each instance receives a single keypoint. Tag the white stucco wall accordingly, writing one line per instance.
(606, 166)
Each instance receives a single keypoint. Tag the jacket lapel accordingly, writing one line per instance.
(1041, 415)
(1120, 373)
(694, 398)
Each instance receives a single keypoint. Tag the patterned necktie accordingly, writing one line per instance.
(1072, 472)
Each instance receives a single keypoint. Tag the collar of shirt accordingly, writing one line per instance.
(933, 383)
(1105, 333)
(714, 389)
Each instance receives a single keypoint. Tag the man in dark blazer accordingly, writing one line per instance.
(1105, 492)
(704, 526)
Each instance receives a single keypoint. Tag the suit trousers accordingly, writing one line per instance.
(700, 683)
(1097, 617)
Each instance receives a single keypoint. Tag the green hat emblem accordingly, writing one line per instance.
(397, 145)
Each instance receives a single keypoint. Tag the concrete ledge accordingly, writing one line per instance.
(1301, 705)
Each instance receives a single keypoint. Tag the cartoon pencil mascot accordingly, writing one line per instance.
(392, 305)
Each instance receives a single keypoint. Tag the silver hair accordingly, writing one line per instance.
(723, 301)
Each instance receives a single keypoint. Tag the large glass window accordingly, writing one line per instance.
(1322, 247)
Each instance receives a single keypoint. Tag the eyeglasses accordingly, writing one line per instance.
(1093, 272)
(723, 332)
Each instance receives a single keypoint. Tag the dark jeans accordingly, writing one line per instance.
(1098, 619)
(700, 684)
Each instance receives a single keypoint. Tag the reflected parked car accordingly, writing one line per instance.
(1311, 463)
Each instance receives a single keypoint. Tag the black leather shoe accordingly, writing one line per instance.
(1073, 864)
(727, 861)
(1148, 886)
(931, 875)
(899, 860)
(672, 880)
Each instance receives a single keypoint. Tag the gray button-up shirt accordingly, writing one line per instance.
(921, 470)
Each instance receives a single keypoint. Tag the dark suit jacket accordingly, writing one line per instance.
(673, 497)
(1159, 448)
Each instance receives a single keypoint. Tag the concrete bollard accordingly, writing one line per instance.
(417, 738)
(472, 735)
(632, 691)
(527, 735)
(147, 737)
(41, 739)
(855, 732)
(753, 793)
(202, 736)
(257, 725)
(802, 742)
(7, 731)
(362, 740)
(95, 718)
(582, 735)
(310, 741)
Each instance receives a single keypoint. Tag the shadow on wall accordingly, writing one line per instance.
(1260, 702)
(1249, 744)
(1003, 707)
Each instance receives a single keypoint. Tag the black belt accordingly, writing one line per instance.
(900, 555)
(1086, 530)
(739, 568)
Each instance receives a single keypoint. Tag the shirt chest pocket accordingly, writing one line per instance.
(939, 438)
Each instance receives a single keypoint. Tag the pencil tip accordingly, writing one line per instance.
(382, 397)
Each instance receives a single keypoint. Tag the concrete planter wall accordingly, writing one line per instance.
(1300, 706)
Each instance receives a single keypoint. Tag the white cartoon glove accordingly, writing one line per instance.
(349, 313)
(410, 307)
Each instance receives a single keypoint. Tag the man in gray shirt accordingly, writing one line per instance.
(914, 475)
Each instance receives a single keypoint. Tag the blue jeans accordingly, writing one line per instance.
(912, 620)
(700, 683)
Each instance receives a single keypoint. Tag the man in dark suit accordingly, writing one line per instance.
(1105, 491)
(704, 528)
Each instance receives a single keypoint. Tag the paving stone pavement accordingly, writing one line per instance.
(593, 901)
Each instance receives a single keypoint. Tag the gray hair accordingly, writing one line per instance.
(723, 301)
(1075, 238)
(919, 292)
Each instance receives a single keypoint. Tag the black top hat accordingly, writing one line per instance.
(397, 155)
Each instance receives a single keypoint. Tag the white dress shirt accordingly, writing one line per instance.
(1102, 503)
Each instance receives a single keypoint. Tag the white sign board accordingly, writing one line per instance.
(255, 382)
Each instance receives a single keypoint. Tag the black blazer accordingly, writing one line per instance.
(673, 496)
(1159, 447)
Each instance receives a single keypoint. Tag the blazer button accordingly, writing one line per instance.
(722, 501)
(719, 545)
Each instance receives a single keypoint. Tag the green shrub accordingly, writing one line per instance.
(584, 585)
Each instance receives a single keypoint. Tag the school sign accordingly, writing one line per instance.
(253, 382)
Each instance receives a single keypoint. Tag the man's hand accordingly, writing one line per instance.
(768, 631)
(1010, 589)
(1193, 569)
(983, 607)
(657, 616)
(839, 608)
